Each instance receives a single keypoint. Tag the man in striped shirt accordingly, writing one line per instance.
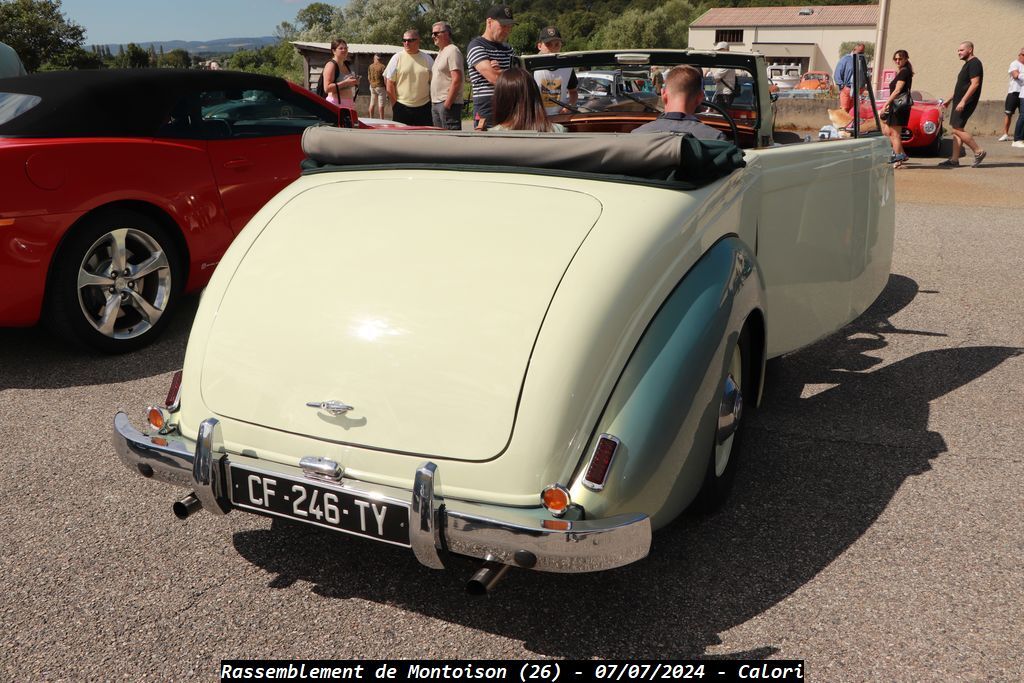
(487, 56)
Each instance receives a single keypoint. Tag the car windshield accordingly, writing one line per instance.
(637, 89)
(14, 104)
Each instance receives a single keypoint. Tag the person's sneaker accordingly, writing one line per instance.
(949, 163)
(1003, 138)
(1018, 143)
(978, 158)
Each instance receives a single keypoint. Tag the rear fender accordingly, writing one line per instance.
(664, 408)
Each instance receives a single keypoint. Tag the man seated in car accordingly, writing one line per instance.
(682, 94)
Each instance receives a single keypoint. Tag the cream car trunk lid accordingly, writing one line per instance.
(415, 302)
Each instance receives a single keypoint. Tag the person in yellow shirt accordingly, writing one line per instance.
(408, 81)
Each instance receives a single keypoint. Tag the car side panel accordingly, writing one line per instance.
(64, 180)
(826, 219)
(664, 406)
(249, 171)
(26, 248)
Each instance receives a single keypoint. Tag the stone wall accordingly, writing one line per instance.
(812, 115)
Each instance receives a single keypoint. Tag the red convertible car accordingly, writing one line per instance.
(925, 128)
(122, 189)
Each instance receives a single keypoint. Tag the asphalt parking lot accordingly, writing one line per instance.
(876, 530)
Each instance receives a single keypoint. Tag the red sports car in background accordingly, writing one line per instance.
(122, 189)
(926, 125)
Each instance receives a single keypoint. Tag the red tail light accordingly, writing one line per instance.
(173, 392)
(600, 462)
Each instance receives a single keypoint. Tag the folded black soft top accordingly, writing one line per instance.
(115, 102)
(656, 156)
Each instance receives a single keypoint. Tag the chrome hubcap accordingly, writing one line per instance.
(124, 283)
(730, 412)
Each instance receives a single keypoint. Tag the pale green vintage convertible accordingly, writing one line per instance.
(530, 349)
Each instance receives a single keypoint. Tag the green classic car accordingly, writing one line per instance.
(539, 378)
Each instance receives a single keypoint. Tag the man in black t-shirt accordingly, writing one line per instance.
(965, 98)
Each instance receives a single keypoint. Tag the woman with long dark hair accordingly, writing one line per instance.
(895, 119)
(339, 81)
(517, 103)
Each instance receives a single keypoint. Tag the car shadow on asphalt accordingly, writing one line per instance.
(837, 435)
(963, 164)
(34, 358)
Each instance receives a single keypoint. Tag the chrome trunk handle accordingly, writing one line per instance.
(333, 407)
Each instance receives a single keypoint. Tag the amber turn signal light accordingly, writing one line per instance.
(557, 524)
(556, 499)
(156, 418)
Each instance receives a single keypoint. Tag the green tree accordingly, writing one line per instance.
(523, 36)
(136, 57)
(177, 59)
(318, 15)
(38, 31)
(383, 21)
(280, 60)
(664, 27)
(576, 27)
(73, 59)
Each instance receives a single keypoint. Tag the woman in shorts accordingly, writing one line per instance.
(895, 120)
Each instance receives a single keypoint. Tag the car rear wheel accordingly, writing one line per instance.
(721, 469)
(115, 282)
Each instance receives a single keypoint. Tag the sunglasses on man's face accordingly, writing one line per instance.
(437, 33)
(409, 40)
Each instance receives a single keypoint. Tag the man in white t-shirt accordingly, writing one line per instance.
(446, 79)
(725, 81)
(1016, 72)
(556, 85)
(1013, 94)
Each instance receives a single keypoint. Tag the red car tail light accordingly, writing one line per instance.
(600, 462)
(173, 394)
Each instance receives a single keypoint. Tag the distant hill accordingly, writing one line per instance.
(200, 47)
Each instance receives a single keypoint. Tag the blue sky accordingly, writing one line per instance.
(143, 21)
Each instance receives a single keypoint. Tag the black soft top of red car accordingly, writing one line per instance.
(115, 102)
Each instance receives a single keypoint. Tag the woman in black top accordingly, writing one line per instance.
(896, 120)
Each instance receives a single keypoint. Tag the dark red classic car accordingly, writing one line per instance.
(122, 189)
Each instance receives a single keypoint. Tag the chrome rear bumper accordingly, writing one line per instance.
(513, 536)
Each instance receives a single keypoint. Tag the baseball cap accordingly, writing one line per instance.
(722, 45)
(501, 14)
(549, 33)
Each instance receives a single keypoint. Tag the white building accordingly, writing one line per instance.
(807, 35)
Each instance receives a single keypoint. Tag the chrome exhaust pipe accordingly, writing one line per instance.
(187, 506)
(487, 577)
